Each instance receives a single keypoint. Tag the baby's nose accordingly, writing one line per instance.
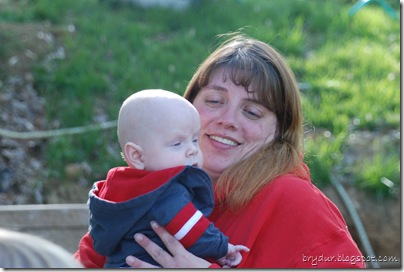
(192, 151)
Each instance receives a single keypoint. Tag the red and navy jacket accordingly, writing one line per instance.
(179, 198)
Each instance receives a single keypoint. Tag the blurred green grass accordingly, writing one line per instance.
(350, 65)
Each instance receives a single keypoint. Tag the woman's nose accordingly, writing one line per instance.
(228, 118)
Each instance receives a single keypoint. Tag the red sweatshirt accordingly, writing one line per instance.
(289, 224)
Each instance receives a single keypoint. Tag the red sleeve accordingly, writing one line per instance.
(87, 255)
(195, 221)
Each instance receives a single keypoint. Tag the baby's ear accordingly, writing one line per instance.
(134, 155)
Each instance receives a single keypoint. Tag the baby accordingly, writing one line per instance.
(158, 133)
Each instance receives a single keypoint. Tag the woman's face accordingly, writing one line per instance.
(233, 124)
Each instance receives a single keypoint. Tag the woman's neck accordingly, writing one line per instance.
(213, 176)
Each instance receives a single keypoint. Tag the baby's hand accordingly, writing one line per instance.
(233, 256)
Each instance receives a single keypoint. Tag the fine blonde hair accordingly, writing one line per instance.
(23, 250)
(261, 70)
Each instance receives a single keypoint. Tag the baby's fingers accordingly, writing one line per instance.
(241, 248)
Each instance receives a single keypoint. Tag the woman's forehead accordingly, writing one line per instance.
(239, 78)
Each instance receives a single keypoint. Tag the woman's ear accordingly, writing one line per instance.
(134, 156)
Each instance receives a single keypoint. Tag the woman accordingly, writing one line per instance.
(252, 140)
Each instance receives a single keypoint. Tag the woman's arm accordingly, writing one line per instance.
(179, 258)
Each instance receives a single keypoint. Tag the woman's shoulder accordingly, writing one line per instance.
(290, 192)
(294, 182)
(290, 185)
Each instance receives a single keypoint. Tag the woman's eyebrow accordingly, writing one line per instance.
(217, 88)
(253, 100)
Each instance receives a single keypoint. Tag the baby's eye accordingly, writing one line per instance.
(177, 144)
(195, 140)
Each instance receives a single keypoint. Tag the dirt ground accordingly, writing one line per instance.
(381, 221)
(21, 161)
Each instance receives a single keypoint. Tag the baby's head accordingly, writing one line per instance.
(158, 129)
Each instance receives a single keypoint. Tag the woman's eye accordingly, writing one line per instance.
(252, 114)
(212, 102)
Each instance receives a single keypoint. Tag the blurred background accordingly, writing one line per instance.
(69, 64)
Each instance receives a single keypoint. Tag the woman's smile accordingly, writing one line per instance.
(223, 140)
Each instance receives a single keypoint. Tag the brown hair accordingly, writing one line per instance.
(259, 68)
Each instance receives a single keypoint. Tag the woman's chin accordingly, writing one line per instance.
(213, 169)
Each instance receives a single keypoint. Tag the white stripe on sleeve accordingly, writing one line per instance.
(188, 225)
